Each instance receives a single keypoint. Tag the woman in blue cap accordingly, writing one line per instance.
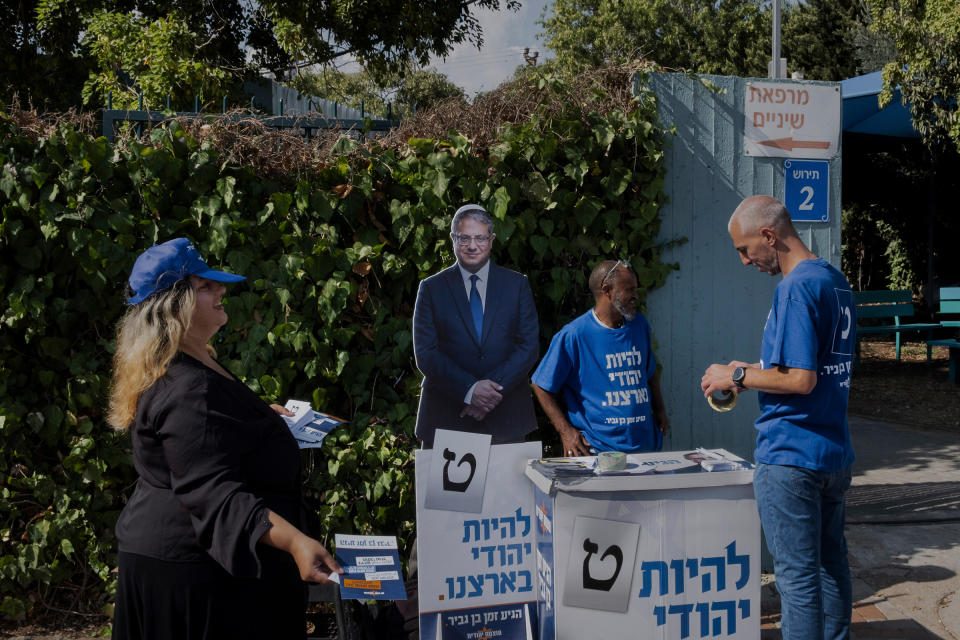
(207, 548)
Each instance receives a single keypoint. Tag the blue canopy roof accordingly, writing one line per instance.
(862, 113)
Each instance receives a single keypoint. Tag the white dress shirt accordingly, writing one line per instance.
(482, 274)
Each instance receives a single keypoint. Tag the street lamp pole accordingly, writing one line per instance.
(775, 64)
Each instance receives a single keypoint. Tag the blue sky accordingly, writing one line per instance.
(505, 34)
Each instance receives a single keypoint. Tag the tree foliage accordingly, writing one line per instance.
(889, 186)
(819, 38)
(198, 45)
(927, 66)
(730, 37)
(333, 260)
(406, 92)
(40, 65)
(874, 49)
(159, 54)
(383, 35)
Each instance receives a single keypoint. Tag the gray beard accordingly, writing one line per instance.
(627, 313)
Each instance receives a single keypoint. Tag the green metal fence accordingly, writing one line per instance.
(305, 124)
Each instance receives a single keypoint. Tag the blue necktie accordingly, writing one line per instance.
(476, 306)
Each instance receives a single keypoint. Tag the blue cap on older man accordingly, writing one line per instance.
(162, 265)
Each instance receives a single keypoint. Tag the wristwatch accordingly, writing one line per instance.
(738, 375)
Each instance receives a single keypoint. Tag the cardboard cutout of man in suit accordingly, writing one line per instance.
(475, 334)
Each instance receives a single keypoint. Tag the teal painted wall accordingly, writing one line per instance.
(713, 309)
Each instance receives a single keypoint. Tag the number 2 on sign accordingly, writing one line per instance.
(807, 205)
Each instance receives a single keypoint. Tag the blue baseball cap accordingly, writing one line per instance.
(162, 265)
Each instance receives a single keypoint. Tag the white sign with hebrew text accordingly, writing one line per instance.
(792, 120)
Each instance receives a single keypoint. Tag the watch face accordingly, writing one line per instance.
(738, 375)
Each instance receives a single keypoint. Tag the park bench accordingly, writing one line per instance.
(887, 305)
(950, 304)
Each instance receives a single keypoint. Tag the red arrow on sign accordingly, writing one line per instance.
(790, 144)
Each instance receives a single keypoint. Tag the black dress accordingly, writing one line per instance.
(212, 458)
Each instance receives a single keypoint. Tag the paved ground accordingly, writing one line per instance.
(903, 533)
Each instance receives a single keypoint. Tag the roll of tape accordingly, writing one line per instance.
(724, 402)
(611, 461)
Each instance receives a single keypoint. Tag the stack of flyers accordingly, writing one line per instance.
(715, 460)
(563, 467)
(309, 427)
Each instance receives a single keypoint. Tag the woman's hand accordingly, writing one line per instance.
(281, 410)
(313, 560)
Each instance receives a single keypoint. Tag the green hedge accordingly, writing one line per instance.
(333, 260)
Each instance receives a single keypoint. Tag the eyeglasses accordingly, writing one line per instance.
(464, 240)
(619, 263)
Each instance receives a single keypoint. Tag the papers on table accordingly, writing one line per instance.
(720, 460)
(372, 568)
(309, 427)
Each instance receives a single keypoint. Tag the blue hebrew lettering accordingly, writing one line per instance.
(493, 580)
(743, 561)
(503, 525)
(486, 527)
(677, 566)
(529, 585)
(489, 551)
(508, 581)
(462, 583)
(731, 608)
(467, 524)
(721, 573)
(526, 522)
(517, 557)
(703, 608)
(684, 611)
(744, 609)
(693, 567)
(661, 613)
(647, 568)
(476, 583)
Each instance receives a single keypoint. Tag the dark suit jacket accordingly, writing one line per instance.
(452, 357)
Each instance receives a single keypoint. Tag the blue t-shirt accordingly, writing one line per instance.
(812, 325)
(603, 374)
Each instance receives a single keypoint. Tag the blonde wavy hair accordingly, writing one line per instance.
(148, 337)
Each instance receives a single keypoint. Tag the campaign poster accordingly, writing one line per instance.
(477, 570)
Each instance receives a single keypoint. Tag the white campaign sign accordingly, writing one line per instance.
(458, 474)
(791, 120)
(478, 570)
